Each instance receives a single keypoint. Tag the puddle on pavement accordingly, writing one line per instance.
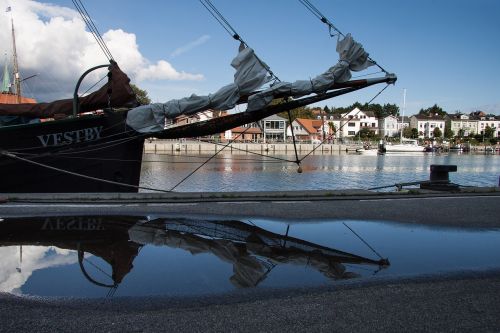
(97, 256)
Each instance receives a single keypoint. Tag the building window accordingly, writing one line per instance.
(351, 133)
(351, 124)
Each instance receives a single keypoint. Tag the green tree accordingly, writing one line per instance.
(326, 109)
(489, 132)
(141, 95)
(332, 127)
(366, 133)
(437, 132)
(408, 132)
(390, 109)
(432, 111)
(414, 133)
(448, 133)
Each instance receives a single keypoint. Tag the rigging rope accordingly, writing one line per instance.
(230, 30)
(371, 248)
(342, 126)
(297, 161)
(93, 28)
(315, 11)
(92, 86)
(208, 160)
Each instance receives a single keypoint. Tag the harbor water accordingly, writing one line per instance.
(228, 172)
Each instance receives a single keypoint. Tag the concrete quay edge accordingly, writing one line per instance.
(343, 194)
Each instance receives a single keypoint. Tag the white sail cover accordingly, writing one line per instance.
(251, 74)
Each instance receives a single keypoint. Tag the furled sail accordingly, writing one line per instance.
(250, 75)
(122, 95)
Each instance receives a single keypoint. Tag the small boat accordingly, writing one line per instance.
(489, 150)
(406, 146)
(456, 147)
(367, 151)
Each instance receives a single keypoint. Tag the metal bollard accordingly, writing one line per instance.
(439, 179)
(441, 172)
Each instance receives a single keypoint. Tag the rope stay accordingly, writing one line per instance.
(342, 126)
(315, 11)
(366, 243)
(232, 32)
(208, 160)
(93, 28)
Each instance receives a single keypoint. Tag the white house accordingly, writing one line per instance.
(389, 126)
(463, 122)
(310, 129)
(352, 122)
(489, 121)
(426, 125)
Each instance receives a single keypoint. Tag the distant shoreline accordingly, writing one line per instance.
(200, 147)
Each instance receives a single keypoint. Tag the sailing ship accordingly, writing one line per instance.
(95, 143)
(117, 240)
(11, 93)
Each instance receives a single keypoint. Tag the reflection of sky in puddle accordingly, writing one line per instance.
(166, 270)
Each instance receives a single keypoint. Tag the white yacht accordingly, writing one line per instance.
(406, 145)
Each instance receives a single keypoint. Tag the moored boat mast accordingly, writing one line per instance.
(17, 81)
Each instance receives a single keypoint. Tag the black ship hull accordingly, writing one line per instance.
(71, 155)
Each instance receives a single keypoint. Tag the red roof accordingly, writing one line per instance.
(310, 125)
(251, 130)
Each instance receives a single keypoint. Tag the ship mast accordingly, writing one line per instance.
(17, 81)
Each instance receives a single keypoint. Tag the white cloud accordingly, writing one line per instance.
(14, 274)
(188, 47)
(52, 41)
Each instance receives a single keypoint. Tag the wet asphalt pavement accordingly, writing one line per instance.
(463, 301)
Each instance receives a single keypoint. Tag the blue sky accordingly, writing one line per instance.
(443, 51)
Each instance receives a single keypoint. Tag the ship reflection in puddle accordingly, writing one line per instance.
(105, 250)
(92, 256)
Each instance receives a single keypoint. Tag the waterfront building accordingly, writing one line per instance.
(463, 125)
(389, 126)
(489, 121)
(352, 122)
(311, 130)
(274, 128)
(426, 124)
(270, 129)
(246, 133)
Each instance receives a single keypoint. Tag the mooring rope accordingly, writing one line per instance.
(14, 156)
